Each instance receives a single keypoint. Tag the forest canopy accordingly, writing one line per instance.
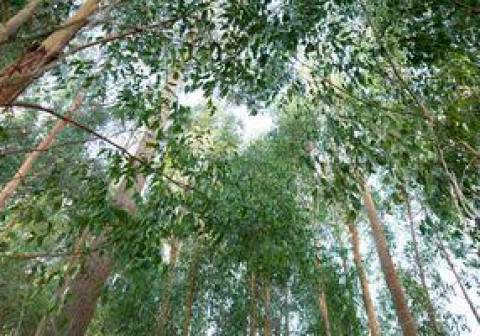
(132, 202)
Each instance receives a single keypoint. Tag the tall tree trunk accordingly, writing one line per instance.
(24, 169)
(322, 304)
(287, 311)
(362, 275)
(16, 77)
(165, 307)
(432, 314)
(11, 26)
(442, 248)
(77, 313)
(404, 315)
(266, 303)
(192, 289)
(253, 305)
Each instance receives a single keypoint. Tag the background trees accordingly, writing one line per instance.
(147, 214)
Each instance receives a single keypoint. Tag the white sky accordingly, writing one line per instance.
(253, 126)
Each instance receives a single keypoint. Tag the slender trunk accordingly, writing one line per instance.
(362, 275)
(338, 236)
(165, 308)
(432, 314)
(322, 304)
(5, 11)
(404, 315)
(192, 290)
(24, 169)
(458, 280)
(266, 302)
(10, 27)
(253, 306)
(16, 77)
(287, 312)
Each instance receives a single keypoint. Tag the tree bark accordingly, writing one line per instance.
(165, 307)
(84, 291)
(16, 77)
(322, 304)
(362, 275)
(458, 280)
(432, 314)
(11, 26)
(22, 172)
(192, 290)
(406, 320)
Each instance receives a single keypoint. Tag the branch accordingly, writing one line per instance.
(59, 145)
(472, 9)
(11, 27)
(74, 123)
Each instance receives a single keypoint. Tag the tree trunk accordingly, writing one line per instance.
(79, 301)
(432, 314)
(253, 306)
(322, 304)
(287, 312)
(362, 275)
(22, 172)
(458, 280)
(84, 291)
(16, 77)
(192, 290)
(266, 302)
(11, 26)
(404, 315)
(165, 308)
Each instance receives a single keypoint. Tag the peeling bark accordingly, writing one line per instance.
(16, 77)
